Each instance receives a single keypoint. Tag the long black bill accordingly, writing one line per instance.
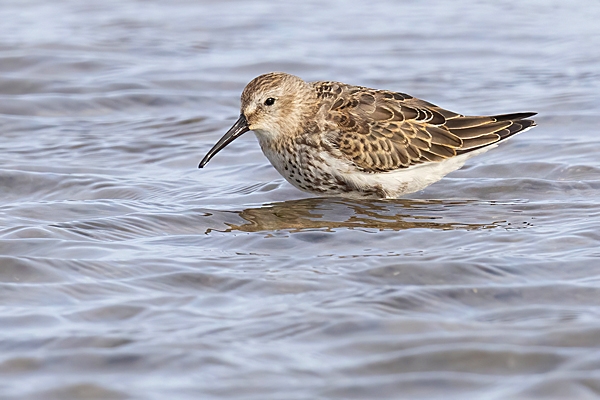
(238, 129)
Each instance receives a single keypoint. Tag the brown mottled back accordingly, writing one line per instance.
(381, 131)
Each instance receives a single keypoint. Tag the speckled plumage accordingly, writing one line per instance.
(334, 139)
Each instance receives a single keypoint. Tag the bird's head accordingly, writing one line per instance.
(274, 106)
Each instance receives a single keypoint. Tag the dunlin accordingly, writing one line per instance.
(334, 139)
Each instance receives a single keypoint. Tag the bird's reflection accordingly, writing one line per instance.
(329, 213)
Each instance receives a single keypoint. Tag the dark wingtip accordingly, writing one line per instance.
(503, 125)
(514, 116)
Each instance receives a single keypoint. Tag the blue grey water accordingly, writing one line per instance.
(128, 273)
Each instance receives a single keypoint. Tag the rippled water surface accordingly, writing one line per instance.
(127, 273)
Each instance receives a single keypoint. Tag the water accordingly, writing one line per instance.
(127, 273)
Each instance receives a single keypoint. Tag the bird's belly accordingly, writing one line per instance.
(323, 174)
(394, 184)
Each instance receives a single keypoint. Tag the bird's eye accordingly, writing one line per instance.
(270, 101)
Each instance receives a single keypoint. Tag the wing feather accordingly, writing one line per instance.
(383, 131)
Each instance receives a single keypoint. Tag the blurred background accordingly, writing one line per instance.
(127, 273)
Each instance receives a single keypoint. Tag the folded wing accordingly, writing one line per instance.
(381, 131)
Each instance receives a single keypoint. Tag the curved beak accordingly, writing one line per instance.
(238, 129)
